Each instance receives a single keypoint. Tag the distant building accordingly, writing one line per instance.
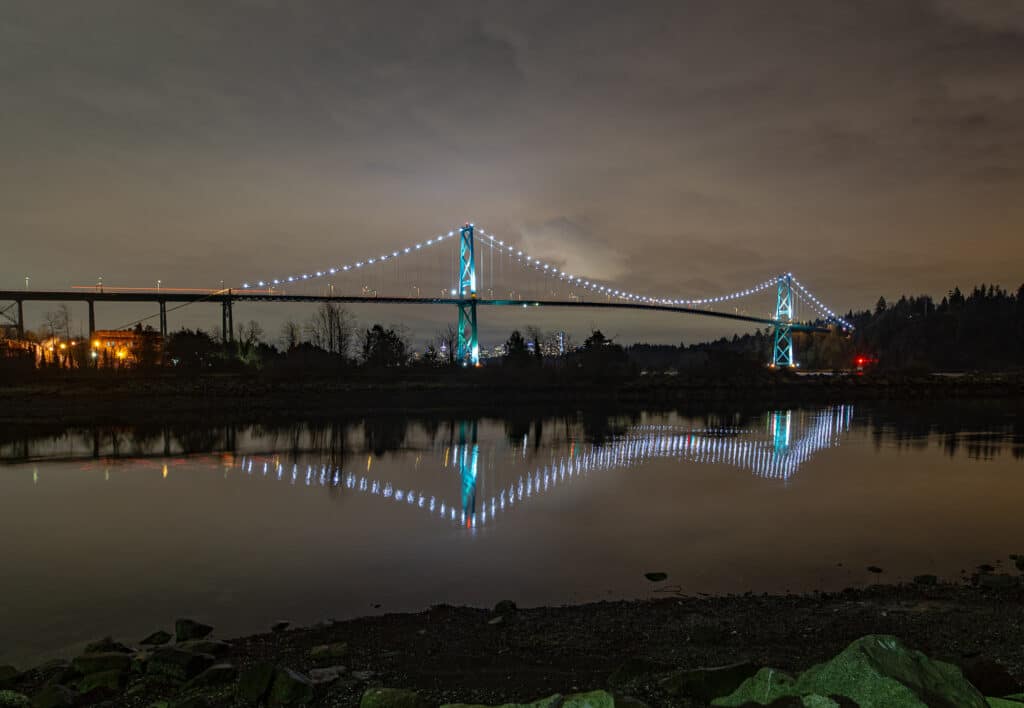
(118, 347)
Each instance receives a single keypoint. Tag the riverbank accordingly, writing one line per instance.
(122, 397)
(458, 654)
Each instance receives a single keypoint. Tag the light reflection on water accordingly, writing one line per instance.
(119, 530)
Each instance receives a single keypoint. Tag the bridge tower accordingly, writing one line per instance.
(469, 346)
(782, 351)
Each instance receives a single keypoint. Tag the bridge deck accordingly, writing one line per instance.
(250, 296)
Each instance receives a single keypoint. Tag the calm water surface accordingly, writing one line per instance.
(121, 530)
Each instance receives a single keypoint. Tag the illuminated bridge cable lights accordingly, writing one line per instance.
(286, 280)
(600, 288)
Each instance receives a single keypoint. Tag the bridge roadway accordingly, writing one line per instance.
(227, 297)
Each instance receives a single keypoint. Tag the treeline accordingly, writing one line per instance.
(980, 331)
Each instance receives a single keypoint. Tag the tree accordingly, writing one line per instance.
(516, 352)
(291, 335)
(190, 349)
(384, 348)
(601, 355)
(331, 328)
(431, 356)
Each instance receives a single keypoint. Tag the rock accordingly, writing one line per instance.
(705, 684)
(874, 671)
(186, 629)
(13, 699)
(329, 651)
(107, 644)
(505, 607)
(254, 682)
(178, 664)
(495, 621)
(280, 626)
(216, 675)
(54, 696)
(926, 580)
(990, 678)
(139, 662)
(290, 688)
(593, 699)
(656, 577)
(157, 638)
(763, 688)
(8, 673)
(103, 682)
(1000, 581)
(106, 661)
(191, 702)
(875, 569)
(362, 675)
(326, 675)
(1004, 702)
(391, 698)
(213, 647)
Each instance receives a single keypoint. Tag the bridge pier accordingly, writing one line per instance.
(469, 346)
(21, 319)
(163, 319)
(92, 317)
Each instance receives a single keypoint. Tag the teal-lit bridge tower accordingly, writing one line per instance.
(469, 345)
(782, 350)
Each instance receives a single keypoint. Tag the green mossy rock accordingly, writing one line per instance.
(391, 698)
(216, 675)
(213, 647)
(13, 699)
(105, 681)
(107, 644)
(178, 664)
(254, 682)
(186, 629)
(290, 688)
(103, 661)
(876, 671)
(764, 687)
(706, 684)
(1003, 703)
(54, 696)
(591, 699)
(157, 638)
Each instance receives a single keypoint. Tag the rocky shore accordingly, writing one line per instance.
(925, 643)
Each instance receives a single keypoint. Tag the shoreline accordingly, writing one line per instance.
(232, 398)
(462, 654)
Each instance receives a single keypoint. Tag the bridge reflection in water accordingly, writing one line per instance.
(777, 453)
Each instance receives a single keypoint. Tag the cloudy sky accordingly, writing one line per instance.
(871, 147)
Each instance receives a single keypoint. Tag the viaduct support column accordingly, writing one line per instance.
(92, 318)
(21, 320)
(163, 319)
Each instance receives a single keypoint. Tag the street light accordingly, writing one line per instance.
(158, 285)
(26, 282)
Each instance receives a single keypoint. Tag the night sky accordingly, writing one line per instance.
(675, 148)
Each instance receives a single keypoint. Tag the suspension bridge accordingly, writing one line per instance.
(560, 288)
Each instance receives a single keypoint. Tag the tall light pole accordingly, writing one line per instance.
(158, 285)
(26, 282)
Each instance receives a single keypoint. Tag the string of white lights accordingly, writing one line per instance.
(284, 281)
(820, 307)
(537, 264)
(599, 288)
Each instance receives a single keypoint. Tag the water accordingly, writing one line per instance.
(122, 530)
